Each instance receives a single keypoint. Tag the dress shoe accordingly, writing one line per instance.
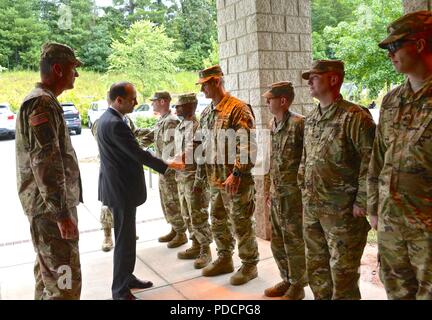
(127, 296)
(140, 284)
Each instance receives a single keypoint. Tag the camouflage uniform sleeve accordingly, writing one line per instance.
(46, 158)
(145, 136)
(94, 129)
(301, 170)
(168, 138)
(362, 133)
(200, 174)
(243, 123)
(200, 177)
(299, 141)
(375, 166)
(131, 124)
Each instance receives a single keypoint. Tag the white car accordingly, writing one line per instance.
(203, 102)
(7, 121)
(144, 111)
(96, 109)
(375, 114)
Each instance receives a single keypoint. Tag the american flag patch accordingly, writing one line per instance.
(39, 119)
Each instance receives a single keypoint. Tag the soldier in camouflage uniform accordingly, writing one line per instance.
(163, 138)
(286, 217)
(400, 170)
(48, 177)
(194, 205)
(232, 192)
(338, 138)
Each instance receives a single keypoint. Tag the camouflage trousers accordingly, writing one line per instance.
(106, 218)
(57, 269)
(194, 209)
(170, 203)
(405, 259)
(334, 247)
(287, 242)
(234, 214)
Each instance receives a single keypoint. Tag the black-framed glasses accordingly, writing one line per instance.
(394, 46)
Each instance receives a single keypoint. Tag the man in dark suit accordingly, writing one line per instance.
(122, 184)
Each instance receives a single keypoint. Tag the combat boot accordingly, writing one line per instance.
(295, 292)
(168, 237)
(278, 290)
(190, 253)
(178, 240)
(222, 265)
(107, 243)
(246, 273)
(204, 257)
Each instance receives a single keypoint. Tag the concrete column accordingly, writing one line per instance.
(416, 5)
(261, 42)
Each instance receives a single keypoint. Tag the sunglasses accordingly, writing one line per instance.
(396, 45)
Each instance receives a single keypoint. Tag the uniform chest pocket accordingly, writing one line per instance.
(331, 141)
(421, 126)
(222, 122)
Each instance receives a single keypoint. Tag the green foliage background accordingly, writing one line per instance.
(92, 31)
(155, 43)
(350, 30)
(89, 86)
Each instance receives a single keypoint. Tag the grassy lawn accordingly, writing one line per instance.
(89, 86)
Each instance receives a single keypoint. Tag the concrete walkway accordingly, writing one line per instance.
(173, 279)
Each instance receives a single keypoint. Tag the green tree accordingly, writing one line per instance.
(95, 53)
(213, 57)
(196, 26)
(21, 33)
(155, 11)
(75, 24)
(319, 47)
(145, 54)
(328, 13)
(356, 43)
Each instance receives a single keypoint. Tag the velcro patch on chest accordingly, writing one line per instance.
(39, 119)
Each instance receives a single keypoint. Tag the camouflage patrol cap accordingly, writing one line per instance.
(279, 89)
(161, 95)
(322, 66)
(209, 73)
(58, 51)
(411, 23)
(186, 98)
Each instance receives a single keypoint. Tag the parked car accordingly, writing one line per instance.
(95, 111)
(72, 117)
(143, 110)
(7, 121)
(203, 102)
(375, 114)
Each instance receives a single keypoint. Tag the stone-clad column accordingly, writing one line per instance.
(264, 41)
(415, 5)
